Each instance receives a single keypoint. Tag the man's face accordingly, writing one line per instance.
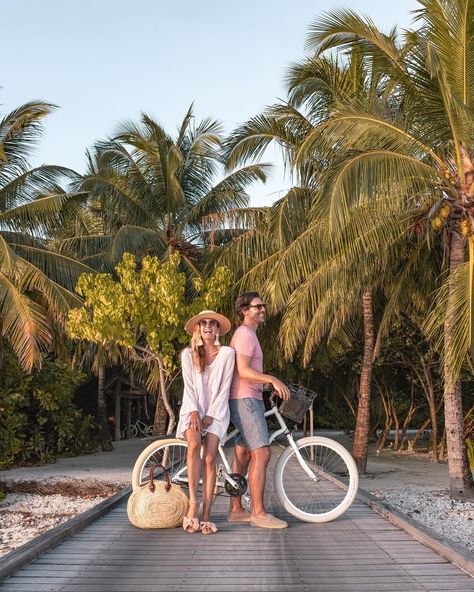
(255, 312)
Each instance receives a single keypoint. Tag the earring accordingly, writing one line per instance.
(200, 342)
(216, 341)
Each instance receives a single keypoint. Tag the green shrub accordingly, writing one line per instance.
(38, 420)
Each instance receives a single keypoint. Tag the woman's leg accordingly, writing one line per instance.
(193, 459)
(211, 444)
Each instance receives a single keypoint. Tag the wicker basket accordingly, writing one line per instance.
(157, 504)
(300, 402)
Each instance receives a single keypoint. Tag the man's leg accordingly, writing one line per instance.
(239, 465)
(259, 460)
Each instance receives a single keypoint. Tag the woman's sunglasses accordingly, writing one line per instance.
(211, 323)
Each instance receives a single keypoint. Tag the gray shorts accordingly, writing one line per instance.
(247, 415)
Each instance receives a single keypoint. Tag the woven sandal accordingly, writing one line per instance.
(208, 528)
(191, 525)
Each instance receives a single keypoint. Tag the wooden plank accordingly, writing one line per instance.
(24, 554)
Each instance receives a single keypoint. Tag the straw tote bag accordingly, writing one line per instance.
(157, 504)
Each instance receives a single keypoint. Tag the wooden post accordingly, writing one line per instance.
(129, 419)
(118, 419)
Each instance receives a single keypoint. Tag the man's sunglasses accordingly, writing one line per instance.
(258, 306)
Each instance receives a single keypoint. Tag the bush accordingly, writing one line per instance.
(38, 420)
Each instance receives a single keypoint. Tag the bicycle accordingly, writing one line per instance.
(140, 429)
(315, 478)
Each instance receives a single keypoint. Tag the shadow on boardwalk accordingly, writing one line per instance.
(358, 552)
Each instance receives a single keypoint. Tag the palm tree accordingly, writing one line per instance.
(36, 284)
(418, 150)
(298, 266)
(359, 173)
(150, 192)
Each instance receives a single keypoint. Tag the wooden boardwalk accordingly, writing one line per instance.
(359, 552)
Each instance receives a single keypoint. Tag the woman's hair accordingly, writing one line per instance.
(197, 351)
(244, 300)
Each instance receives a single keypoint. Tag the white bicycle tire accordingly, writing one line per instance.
(351, 489)
(145, 456)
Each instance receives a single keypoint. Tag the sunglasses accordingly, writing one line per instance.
(258, 306)
(211, 323)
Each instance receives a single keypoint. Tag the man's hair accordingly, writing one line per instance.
(244, 300)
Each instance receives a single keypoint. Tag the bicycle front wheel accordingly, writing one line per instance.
(327, 487)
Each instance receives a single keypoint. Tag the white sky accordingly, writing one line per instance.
(103, 61)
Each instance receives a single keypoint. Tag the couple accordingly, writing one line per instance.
(222, 383)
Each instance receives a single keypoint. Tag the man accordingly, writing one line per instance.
(247, 410)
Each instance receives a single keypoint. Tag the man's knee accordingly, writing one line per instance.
(261, 455)
(242, 453)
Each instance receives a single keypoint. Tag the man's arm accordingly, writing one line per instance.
(248, 373)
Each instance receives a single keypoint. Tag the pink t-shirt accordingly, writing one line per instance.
(245, 342)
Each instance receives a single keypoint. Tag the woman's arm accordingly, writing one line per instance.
(190, 398)
(219, 404)
(190, 403)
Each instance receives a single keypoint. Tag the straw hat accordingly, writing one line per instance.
(224, 323)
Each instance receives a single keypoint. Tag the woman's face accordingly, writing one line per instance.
(209, 329)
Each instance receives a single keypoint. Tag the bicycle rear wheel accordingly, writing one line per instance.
(329, 493)
(171, 453)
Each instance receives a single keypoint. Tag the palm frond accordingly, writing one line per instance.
(24, 323)
(453, 293)
(135, 239)
(63, 270)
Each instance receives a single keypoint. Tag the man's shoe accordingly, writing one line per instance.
(268, 521)
(239, 516)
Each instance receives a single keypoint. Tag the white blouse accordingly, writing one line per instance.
(207, 392)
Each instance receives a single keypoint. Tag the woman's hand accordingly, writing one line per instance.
(195, 421)
(207, 421)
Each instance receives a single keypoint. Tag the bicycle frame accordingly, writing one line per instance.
(227, 469)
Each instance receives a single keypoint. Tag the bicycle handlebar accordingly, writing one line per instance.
(272, 398)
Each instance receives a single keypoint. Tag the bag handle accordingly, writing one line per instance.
(151, 485)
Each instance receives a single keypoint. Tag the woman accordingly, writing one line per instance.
(208, 368)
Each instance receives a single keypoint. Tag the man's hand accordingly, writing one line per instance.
(281, 389)
(207, 421)
(195, 421)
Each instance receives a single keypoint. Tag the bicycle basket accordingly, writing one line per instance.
(300, 402)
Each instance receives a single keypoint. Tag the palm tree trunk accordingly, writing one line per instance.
(430, 394)
(163, 402)
(361, 436)
(460, 476)
(161, 417)
(105, 439)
